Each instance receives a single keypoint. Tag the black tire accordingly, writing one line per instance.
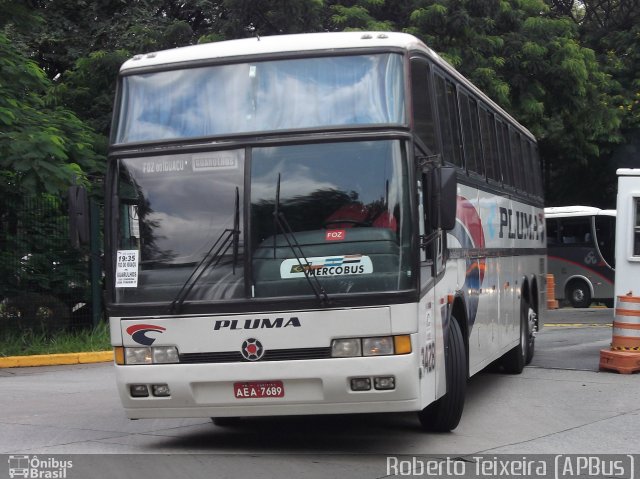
(515, 360)
(579, 294)
(444, 414)
(225, 421)
(531, 319)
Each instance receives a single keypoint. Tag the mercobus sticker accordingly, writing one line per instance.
(326, 266)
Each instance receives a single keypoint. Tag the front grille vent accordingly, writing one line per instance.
(269, 355)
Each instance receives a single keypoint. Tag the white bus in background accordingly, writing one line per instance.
(316, 224)
(581, 253)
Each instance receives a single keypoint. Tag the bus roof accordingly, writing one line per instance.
(628, 171)
(276, 44)
(568, 211)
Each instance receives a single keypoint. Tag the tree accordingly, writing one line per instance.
(531, 62)
(612, 29)
(44, 148)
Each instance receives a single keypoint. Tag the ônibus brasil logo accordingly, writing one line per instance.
(138, 333)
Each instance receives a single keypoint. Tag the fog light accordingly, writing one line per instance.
(384, 382)
(138, 355)
(160, 390)
(377, 346)
(360, 384)
(139, 390)
(346, 348)
(165, 354)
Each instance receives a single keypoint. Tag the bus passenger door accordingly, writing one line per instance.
(429, 325)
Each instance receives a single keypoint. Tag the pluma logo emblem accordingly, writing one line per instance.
(138, 333)
(252, 349)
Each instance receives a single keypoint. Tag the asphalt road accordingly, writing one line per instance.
(572, 339)
(560, 404)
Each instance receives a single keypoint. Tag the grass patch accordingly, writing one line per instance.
(26, 343)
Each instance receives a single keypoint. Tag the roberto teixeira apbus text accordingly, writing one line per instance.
(517, 466)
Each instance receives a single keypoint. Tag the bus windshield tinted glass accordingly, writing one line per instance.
(346, 205)
(177, 214)
(181, 227)
(262, 96)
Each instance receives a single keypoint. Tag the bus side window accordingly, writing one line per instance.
(471, 134)
(516, 160)
(552, 232)
(528, 164)
(448, 116)
(489, 145)
(537, 172)
(576, 231)
(504, 153)
(423, 112)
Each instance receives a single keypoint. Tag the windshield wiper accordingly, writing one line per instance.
(230, 237)
(281, 223)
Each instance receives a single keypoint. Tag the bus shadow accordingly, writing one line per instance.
(328, 434)
(356, 433)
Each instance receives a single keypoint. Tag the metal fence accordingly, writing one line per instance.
(45, 284)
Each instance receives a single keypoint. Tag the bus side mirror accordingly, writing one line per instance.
(78, 216)
(442, 202)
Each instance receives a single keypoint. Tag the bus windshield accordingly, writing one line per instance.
(262, 96)
(346, 204)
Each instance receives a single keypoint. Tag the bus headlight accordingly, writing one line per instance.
(377, 346)
(346, 348)
(137, 356)
(151, 355)
(165, 354)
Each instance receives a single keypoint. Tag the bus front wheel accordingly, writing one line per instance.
(579, 294)
(444, 414)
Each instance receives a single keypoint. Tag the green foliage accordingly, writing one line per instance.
(29, 342)
(357, 17)
(43, 146)
(88, 89)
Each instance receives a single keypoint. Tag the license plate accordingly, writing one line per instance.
(258, 389)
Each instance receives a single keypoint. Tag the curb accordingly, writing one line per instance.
(56, 359)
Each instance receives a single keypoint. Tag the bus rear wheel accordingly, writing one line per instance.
(444, 414)
(515, 360)
(579, 294)
(532, 321)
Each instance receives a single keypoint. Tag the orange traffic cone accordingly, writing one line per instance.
(624, 355)
(552, 303)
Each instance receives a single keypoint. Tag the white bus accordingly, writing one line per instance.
(581, 253)
(316, 224)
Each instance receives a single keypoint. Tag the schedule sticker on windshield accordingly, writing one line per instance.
(127, 268)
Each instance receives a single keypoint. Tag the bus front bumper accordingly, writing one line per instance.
(309, 387)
